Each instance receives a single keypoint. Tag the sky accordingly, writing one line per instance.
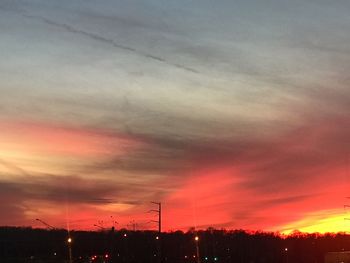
(232, 114)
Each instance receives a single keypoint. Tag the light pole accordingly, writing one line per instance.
(196, 239)
(69, 241)
(126, 247)
(286, 252)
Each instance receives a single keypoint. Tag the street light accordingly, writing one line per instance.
(69, 240)
(286, 251)
(196, 239)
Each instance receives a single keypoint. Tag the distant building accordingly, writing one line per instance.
(337, 257)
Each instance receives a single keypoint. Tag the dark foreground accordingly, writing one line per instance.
(51, 246)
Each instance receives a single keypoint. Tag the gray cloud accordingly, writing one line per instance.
(61, 189)
(58, 191)
(12, 198)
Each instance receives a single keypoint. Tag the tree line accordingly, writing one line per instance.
(19, 244)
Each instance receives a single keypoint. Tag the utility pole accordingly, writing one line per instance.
(159, 211)
(133, 225)
(159, 221)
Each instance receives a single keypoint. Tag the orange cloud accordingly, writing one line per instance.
(44, 138)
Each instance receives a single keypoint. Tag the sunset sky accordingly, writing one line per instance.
(233, 113)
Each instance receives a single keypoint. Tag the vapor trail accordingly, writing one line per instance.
(109, 41)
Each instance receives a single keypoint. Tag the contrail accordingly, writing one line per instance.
(110, 42)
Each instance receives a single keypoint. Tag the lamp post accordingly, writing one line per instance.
(196, 239)
(286, 253)
(69, 241)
